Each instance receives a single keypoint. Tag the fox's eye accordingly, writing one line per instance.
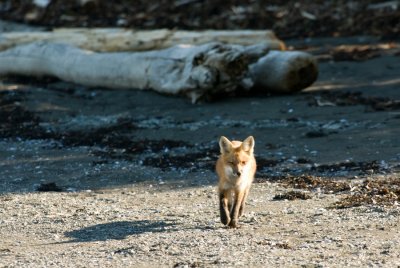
(243, 162)
(231, 162)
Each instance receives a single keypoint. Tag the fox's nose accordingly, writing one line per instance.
(237, 173)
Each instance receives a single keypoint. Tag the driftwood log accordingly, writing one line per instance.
(192, 70)
(284, 71)
(116, 39)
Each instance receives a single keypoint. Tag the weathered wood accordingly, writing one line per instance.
(194, 71)
(284, 71)
(116, 39)
(190, 70)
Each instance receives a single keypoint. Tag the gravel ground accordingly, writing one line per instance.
(178, 226)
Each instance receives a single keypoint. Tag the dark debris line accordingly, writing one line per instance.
(17, 122)
(335, 98)
(289, 19)
(292, 195)
(372, 192)
(378, 192)
(115, 142)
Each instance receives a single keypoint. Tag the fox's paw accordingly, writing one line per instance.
(225, 220)
(233, 224)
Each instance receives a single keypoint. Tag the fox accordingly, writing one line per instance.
(235, 167)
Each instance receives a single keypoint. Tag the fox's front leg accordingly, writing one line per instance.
(237, 204)
(224, 207)
(242, 206)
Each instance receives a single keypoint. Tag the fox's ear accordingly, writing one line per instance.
(248, 145)
(225, 145)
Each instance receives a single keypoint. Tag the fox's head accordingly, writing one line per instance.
(236, 154)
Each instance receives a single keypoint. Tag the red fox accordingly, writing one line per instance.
(235, 167)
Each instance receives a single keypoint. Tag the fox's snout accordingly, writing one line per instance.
(233, 171)
(236, 172)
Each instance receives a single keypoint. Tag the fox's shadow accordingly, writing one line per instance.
(118, 230)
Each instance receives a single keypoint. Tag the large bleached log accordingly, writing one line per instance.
(284, 71)
(116, 39)
(194, 71)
